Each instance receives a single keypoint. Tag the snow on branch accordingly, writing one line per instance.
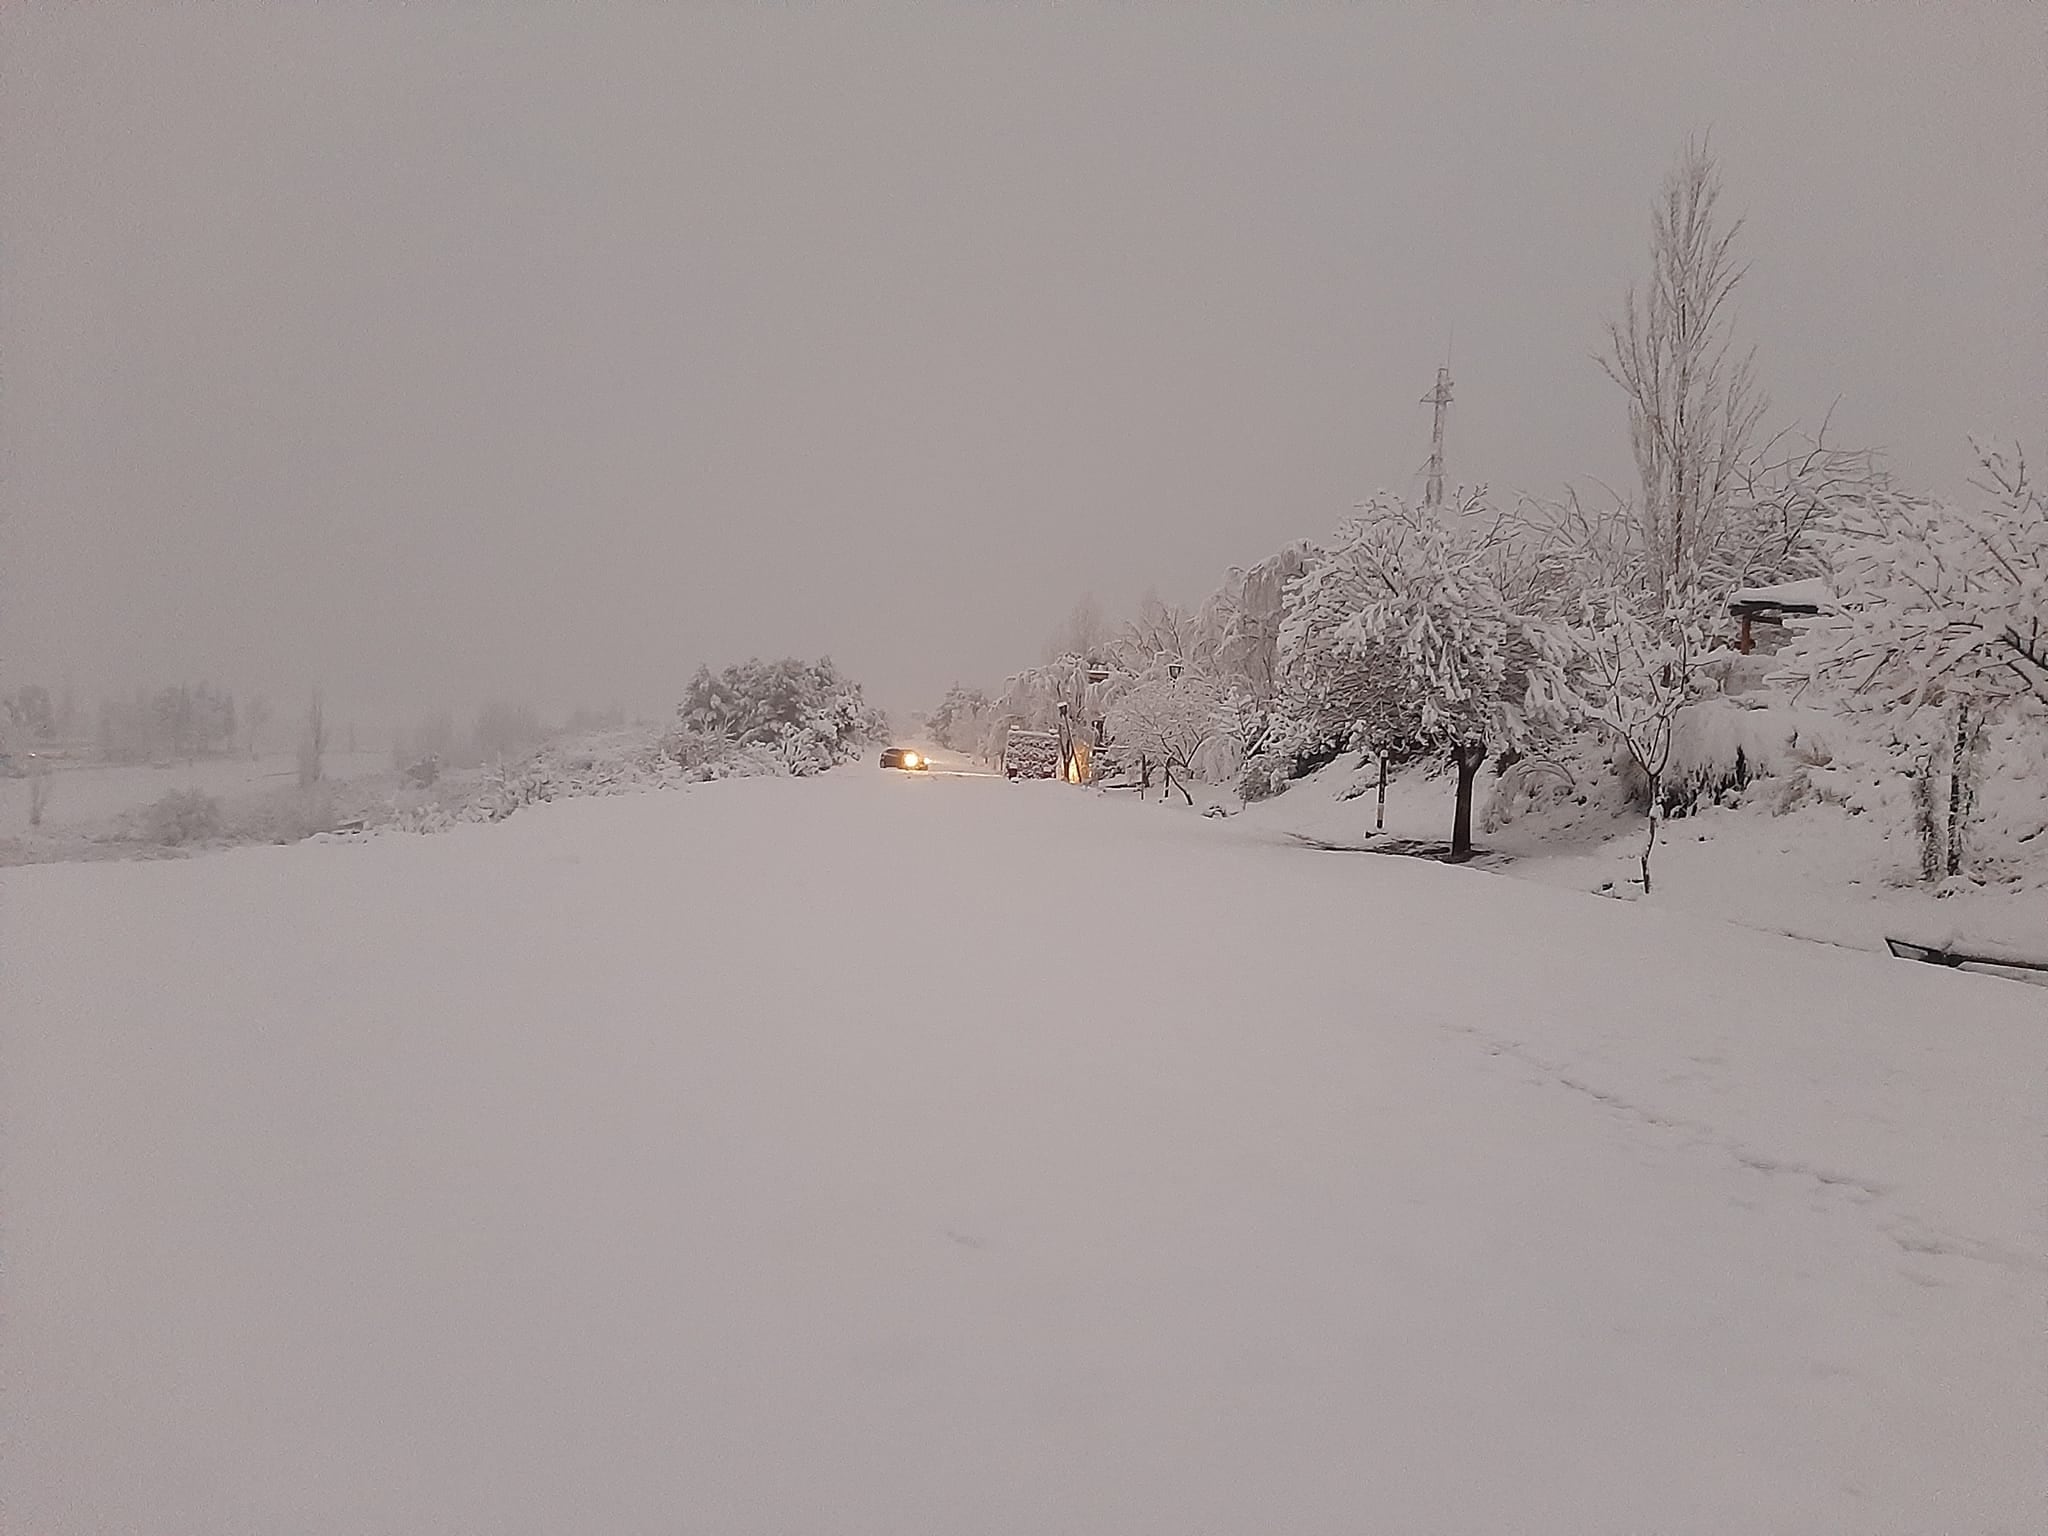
(1937, 602)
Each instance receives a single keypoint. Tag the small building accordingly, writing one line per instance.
(1762, 614)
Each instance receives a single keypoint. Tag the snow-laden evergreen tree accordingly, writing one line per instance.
(1941, 608)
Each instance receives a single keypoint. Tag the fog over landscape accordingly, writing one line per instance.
(434, 355)
(910, 769)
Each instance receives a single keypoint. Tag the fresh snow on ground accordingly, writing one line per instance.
(1819, 871)
(83, 795)
(886, 1153)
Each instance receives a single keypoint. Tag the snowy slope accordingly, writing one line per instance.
(1819, 871)
(894, 1153)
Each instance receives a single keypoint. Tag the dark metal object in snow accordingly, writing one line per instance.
(1953, 957)
(1770, 609)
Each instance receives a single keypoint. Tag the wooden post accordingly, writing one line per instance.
(1379, 823)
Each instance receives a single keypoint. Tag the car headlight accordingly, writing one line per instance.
(910, 759)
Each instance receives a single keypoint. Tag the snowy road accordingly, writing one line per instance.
(921, 1154)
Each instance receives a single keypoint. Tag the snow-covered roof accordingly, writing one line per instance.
(1812, 592)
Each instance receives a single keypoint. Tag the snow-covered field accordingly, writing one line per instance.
(88, 794)
(893, 1153)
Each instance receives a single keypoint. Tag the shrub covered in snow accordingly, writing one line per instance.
(701, 758)
(180, 817)
(1307, 726)
(1716, 747)
(807, 716)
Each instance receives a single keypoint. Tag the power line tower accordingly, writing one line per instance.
(1440, 397)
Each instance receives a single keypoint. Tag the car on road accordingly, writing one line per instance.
(907, 759)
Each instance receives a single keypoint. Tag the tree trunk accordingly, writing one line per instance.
(1927, 822)
(1958, 790)
(1470, 758)
(1650, 843)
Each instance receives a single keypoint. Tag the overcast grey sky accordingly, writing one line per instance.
(438, 351)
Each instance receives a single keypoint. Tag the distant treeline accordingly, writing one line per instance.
(186, 720)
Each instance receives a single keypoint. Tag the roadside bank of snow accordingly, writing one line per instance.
(1819, 871)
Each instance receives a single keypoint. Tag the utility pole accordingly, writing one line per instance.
(1440, 397)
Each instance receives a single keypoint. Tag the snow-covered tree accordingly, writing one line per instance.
(1789, 497)
(807, 713)
(961, 720)
(313, 742)
(255, 718)
(1637, 667)
(1332, 694)
(1086, 632)
(1638, 634)
(1164, 634)
(29, 712)
(38, 794)
(1718, 507)
(1032, 699)
(1453, 598)
(1940, 600)
(1693, 400)
(1170, 719)
(1938, 605)
(1247, 614)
